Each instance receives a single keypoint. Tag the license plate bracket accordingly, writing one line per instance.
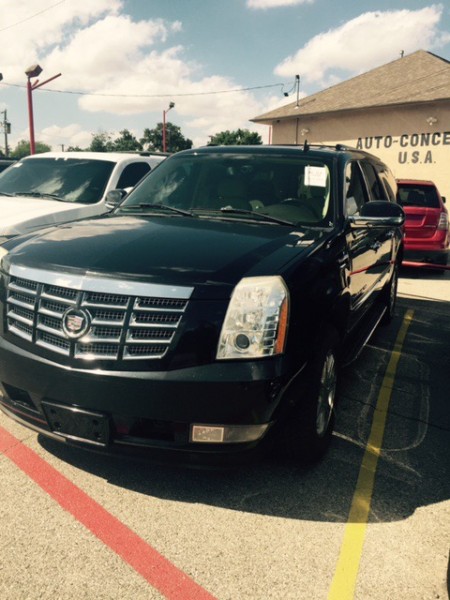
(77, 424)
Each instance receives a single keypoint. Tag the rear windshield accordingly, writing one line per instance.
(294, 189)
(71, 179)
(418, 195)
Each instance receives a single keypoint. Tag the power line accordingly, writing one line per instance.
(32, 16)
(245, 89)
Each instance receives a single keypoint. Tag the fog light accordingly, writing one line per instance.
(227, 434)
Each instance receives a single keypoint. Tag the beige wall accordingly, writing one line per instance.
(401, 136)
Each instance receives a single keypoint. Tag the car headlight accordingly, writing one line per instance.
(256, 321)
(3, 253)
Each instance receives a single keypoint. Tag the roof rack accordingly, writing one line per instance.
(143, 152)
(306, 146)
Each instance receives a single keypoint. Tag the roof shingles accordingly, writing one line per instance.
(418, 77)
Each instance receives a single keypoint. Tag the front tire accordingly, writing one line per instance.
(307, 434)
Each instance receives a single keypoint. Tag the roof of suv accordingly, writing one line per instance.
(317, 149)
(116, 156)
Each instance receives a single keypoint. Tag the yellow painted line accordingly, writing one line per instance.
(344, 580)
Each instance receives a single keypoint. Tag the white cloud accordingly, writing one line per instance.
(130, 66)
(370, 40)
(263, 4)
(68, 135)
(118, 48)
(26, 40)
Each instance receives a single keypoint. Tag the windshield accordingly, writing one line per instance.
(290, 189)
(72, 179)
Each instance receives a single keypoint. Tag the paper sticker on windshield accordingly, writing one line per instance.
(316, 176)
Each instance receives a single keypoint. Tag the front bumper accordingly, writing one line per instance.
(144, 412)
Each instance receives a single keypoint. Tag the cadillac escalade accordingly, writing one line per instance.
(206, 317)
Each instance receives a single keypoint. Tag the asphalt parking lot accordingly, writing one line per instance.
(371, 522)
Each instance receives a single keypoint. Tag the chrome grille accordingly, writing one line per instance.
(130, 326)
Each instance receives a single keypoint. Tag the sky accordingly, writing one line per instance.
(221, 62)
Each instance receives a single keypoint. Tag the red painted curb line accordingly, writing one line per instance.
(148, 562)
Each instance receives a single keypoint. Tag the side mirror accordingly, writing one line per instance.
(379, 213)
(114, 198)
(444, 199)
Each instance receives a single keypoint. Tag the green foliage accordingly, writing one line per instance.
(175, 141)
(126, 142)
(101, 142)
(23, 149)
(238, 137)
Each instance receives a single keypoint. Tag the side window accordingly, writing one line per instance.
(389, 183)
(355, 189)
(132, 174)
(376, 190)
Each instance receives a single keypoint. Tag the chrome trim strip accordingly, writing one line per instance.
(23, 289)
(29, 305)
(92, 283)
(20, 333)
(53, 347)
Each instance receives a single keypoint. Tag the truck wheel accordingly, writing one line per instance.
(307, 434)
(389, 297)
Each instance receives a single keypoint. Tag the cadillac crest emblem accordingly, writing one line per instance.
(76, 323)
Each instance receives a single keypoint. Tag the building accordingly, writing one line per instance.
(399, 112)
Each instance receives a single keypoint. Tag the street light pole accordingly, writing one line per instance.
(171, 105)
(34, 71)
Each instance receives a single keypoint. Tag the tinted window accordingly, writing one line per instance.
(389, 184)
(355, 189)
(418, 195)
(296, 189)
(376, 190)
(132, 174)
(71, 179)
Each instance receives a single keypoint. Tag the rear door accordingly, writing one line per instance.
(382, 239)
(370, 249)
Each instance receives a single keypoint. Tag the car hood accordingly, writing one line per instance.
(20, 214)
(171, 250)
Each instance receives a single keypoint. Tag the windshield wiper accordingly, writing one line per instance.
(40, 195)
(6, 194)
(157, 207)
(254, 214)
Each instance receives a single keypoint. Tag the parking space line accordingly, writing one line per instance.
(148, 562)
(344, 580)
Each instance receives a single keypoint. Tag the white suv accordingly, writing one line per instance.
(56, 187)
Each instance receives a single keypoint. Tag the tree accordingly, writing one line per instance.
(101, 142)
(126, 142)
(23, 149)
(104, 142)
(175, 141)
(238, 137)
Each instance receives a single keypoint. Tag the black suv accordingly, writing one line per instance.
(206, 316)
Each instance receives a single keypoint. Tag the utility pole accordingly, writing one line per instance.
(6, 129)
